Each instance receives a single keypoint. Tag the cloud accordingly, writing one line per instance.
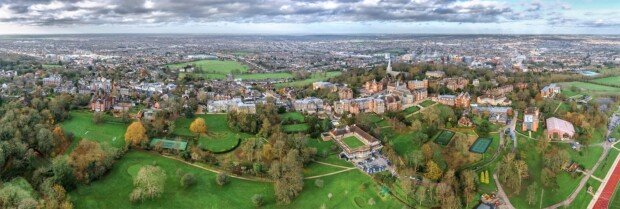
(129, 12)
(93, 12)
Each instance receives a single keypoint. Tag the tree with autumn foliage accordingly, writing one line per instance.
(198, 126)
(136, 134)
(90, 160)
(433, 171)
(60, 141)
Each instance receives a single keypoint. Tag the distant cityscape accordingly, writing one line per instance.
(316, 121)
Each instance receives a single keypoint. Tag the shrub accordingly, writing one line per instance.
(318, 183)
(98, 118)
(221, 179)
(258, 200)
(371, 201)
(188, 180)
(257, 168)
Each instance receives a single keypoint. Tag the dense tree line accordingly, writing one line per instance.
(266, 120)
(33, 152)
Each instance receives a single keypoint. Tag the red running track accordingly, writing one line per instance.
(603, 200)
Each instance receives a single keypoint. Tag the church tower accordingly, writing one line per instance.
(389, 69)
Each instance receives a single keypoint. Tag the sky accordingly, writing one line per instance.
(310, 16)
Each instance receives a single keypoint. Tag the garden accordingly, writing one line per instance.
(352, 142)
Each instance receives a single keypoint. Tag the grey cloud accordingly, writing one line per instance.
(66, 12)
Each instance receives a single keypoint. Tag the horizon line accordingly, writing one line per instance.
(310, 34)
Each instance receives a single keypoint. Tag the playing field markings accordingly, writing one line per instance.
(481, 145)
(444, 137)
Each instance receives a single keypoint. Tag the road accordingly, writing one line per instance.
(501, 192)
(511, 126)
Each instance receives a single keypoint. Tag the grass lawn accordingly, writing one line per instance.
(353, 142)
(587, 157)
(427, 103)
(206, 76)
(296, 116)
(603, 168)
(607, 81)
(219, 137)
(315, 169)
(411, 109)
(583, 198)
(113, 190)
(334, 159)
(220, 142)
(214, 122)
(82, 126)
(346, 188)
(565, 181)
(295, 128)
(263, 76)
(51, 66)
(404, 145)
(212, 66)
(591, 89)
(321, 146)
(569, 93)
(313, 78)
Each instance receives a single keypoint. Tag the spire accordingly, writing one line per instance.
(389, 67)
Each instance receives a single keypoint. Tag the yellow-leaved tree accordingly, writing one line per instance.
(136, 134)
(433, 171)
(198, 126)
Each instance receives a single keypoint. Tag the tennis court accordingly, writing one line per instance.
(481, 145)
(444, 138)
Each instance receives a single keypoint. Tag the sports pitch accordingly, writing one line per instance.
(444, 138)
(481, 145)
